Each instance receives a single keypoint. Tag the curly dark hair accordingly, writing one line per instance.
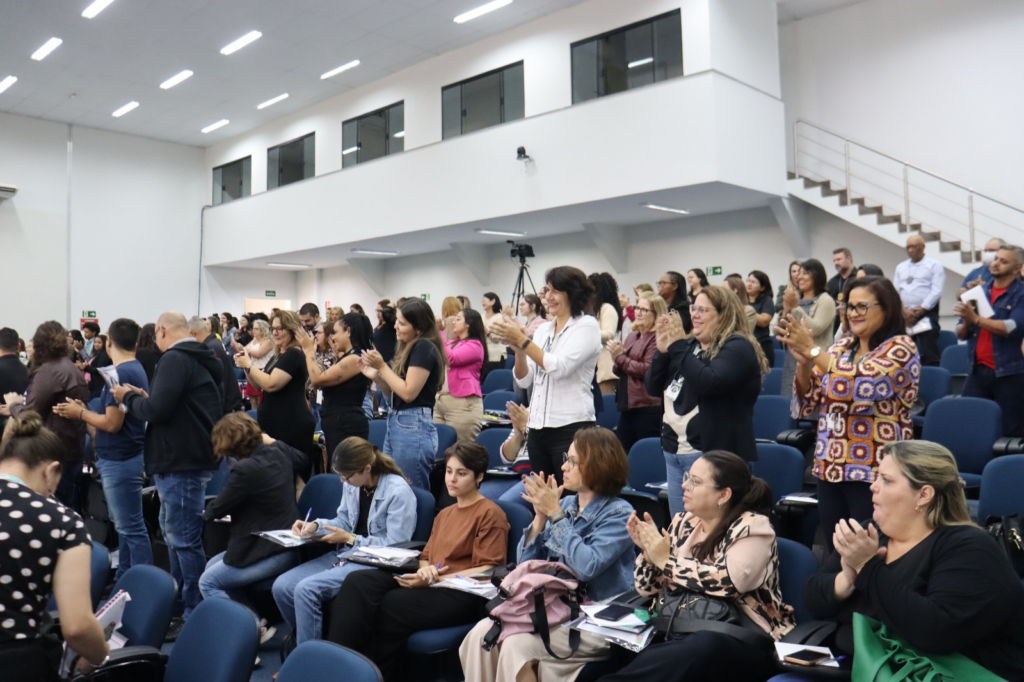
(607, 291)
(574, 284)
(50, 343)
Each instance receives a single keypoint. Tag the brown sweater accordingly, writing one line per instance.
(464, 537)
(52, 383)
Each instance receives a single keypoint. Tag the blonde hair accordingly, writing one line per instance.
(450, 307)
(645, 287)
(732, 321)
(925, 463)
(335, 312)
(290, 322)
(658, 304)
(263, 326)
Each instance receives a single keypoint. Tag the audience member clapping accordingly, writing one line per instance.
(639, 411)
(672, 288)
(697, 279)
(809, 302)
(460, 403)
(608, 312)
(759, 296)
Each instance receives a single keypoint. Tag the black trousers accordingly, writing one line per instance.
(338, 425)
(547, 446)
(36, 660)
(643, 422)
(700, 657)
(846, 500)
(1007, 392)
(928, 342)
(374, 615)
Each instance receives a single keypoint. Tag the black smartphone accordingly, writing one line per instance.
(806, 657)
(614, 612)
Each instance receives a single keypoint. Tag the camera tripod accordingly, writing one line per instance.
(519, 289)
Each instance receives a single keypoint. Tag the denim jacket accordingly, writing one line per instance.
(392, 513)
(595, 545)
(1005, 349)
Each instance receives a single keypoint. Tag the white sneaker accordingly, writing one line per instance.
(267, 634)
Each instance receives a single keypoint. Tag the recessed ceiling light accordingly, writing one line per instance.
(95, 8)
(640, 62)
(47, 47)
(344, 67)
(374, 252)
(174, 80)
(289, 265)
(667, 209)
(481, 10)
(241, 42)
(219, 124)
(125, 109)
(501, 233)
(400, 133)
(8, 82)
(275, 100)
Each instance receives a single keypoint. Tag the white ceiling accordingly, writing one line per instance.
(134, 45)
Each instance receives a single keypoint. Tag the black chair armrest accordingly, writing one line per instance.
(130, 662)
(1008, 445)
(811, 633)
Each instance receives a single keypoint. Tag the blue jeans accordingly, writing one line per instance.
(368, 405)
(122, 486)
(315, 406)
(301, 592)
(229, 582)
(676, 466)
(412, 442)
(182, 499)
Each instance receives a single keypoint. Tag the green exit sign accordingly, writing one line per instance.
(425, 297)
(714, 270)
(88, 313)
(272, 294)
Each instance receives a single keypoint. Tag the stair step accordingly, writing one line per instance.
(884, 219)
(914, 227)
(931, 236)
(790, 175)
(949, 246)
(808, 183)
(966, 257)
(865, 210)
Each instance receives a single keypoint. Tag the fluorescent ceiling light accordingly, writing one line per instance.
(481, 10)
(95, 8)
(219, 124)
(400, 133)
(374, 252)
(640, 62)
(501, 233)
(241, 42)
(346, 152)
(275, 100)
(8, 82)
(667, 209)
(289, 265)
(174, 80)
(344, 67)
(48, 47)
(125, 109)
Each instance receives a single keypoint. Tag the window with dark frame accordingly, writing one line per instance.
(646, 52)
(371, 136)
(291, 161)
(232, 181)
(483, 101)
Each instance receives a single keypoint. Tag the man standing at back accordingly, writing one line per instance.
(919, 281)
(309, 316)
(997, 367)
(13, 374)
(181, 408)
(842, 259)
(199, 329)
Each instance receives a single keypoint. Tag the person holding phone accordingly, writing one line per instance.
(377, 509)
(559, 364)
(376, 611)
(586, 531)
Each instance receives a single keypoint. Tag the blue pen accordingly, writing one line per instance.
(306, 520)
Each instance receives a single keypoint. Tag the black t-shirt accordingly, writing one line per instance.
(362, 523)
(423, 355)
(765, 305)
(34, 531)
(13, 378)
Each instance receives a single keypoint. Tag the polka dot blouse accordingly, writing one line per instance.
(34, 530)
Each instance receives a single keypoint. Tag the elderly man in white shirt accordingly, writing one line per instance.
(919, 281)
(559, 363)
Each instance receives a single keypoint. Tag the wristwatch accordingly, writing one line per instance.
(524, 344)
(556, 517)
(815, 352)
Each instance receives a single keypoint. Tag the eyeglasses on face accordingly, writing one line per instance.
(861, 309)
(690, 483)
(644, 310)
(571, 461)
(700, 310)
(663, 283)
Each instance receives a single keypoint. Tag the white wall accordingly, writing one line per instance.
(134, 225)
(934, 82)
(225, 289)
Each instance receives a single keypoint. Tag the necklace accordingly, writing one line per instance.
(369, 491)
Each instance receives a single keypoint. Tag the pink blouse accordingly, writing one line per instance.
(465, 359)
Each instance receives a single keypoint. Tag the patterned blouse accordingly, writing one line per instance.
(744, 567)
(860, 407)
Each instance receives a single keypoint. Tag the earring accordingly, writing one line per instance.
(917, 508)
(719, 505)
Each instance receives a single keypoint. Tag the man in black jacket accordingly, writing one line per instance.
(199, 329)
(183, 404)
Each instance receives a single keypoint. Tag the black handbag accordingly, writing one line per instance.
(677, 613)
(1009, 533)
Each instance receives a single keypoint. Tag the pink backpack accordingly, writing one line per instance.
(533, 598)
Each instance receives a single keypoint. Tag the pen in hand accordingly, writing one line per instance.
(305, 521)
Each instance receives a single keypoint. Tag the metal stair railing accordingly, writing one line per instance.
(956, 212)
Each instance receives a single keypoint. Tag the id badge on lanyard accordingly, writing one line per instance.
(674, 389)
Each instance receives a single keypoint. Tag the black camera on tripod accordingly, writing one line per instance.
(520, 251)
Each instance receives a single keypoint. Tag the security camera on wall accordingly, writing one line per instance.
(7, 192)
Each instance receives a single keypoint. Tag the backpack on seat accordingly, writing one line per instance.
(533, 598)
